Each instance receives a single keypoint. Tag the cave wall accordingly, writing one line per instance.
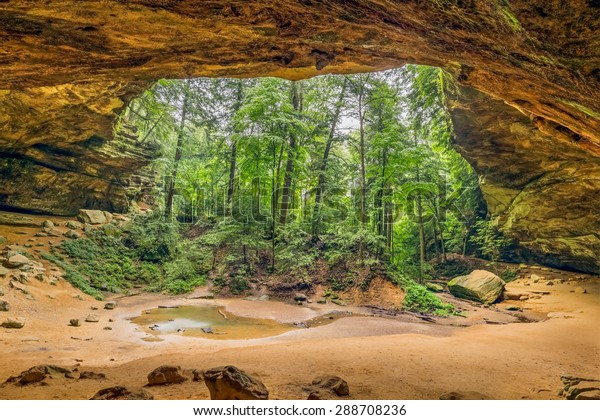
(68, 67)
(541, 191)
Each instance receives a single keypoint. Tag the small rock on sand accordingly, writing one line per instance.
(92, 318)
(328, 387)
(16, 323)
(122, 393)
(110, 305)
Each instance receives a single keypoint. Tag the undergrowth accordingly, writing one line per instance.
(146, 253)
(419, 299)
(152, 254)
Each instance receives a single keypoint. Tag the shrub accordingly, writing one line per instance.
(419, 299)
(509, 275)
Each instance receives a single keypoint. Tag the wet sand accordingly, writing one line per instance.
(380, 357)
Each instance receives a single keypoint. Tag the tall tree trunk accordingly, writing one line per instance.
(324, 162)
(230, 185)
(442, 243)
(178, 152)
(291, 155)
(420, 222)
(363, 171)
(389, 226)
(233, 156)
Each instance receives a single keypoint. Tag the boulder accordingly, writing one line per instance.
(2, 240)
(74, 322)
(48, 224)
(580, 290)
(73, 224)
(328, 387)
(17, 260)
(4, 306)
(300, 297)
(110, 305)
(3, 271)
(93, 217)
(231, 383)
(480, 285)
(434, 287)
(535, 278)
(13, 323)
(71, 234)
(122, 393)
(54, 232)
(109, 216)
(166, 375)
(1, 291)
(39, 373)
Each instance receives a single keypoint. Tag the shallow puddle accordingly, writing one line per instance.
(215, 323)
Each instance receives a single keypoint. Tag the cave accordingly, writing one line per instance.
(526, 116)
(526, 112)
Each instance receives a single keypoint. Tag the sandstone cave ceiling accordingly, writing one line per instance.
(527, 116)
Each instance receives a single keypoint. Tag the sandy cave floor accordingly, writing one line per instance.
(380, 357)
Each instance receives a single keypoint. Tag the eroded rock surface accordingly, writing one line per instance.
(576, 388)
(39, 373)
(231, 383)
(542, 191)
(166, 375)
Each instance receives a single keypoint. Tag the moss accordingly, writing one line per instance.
(511, 19)
(581, 108)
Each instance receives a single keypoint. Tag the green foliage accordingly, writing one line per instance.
(152, 238)
(102, 259)
(419, 299)
(150, 253)
(489, 241)
(238, 284)
(509, 275)
(392, 192)
(74, 277)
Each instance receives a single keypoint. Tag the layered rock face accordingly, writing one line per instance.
(542, 191)
(68, 68)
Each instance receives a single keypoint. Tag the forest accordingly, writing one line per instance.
(334, 180)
